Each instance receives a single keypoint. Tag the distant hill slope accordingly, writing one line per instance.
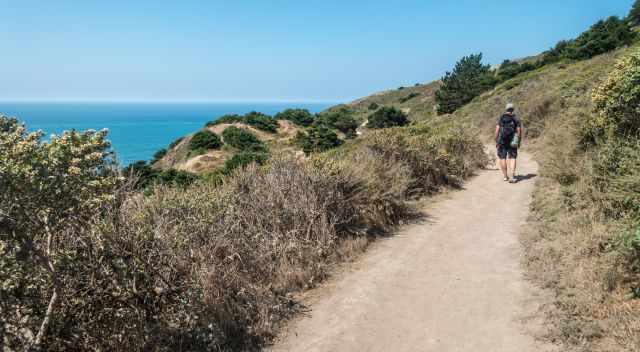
(418, 102)
(180, 156)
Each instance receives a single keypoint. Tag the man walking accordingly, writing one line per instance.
(508, 138)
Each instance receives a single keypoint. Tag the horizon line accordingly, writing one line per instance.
(176, 101)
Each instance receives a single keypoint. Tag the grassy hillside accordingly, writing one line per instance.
(418, 102)
(578, 241)
(182, 157)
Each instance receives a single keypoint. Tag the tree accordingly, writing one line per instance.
(242, 139)
(604, 36)
(634, 15)
(301, 117)
(261, 121)
(243, 159)
(48, 192)
(205, 140)
(468, 79)
(387, 117)
(317, 139)
(340, 118)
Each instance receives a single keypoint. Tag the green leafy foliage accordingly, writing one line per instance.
(634, 14)
(258, 120)
(175, 143)
(409, 97)
(373, 106)
(510, 69)
(242, 139)
(602, 37)
(229, 118)
(301, 117)
(179, 178)
(387, 117)
(261, 121)
(317, 139)
(243, 159)
(158, 155)
(205, 140)
(617, 103)
(468, 79)
(145, 176)
(340, 119)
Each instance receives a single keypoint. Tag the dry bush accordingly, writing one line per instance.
(215, 267)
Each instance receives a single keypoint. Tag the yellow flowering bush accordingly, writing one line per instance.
(617, 102)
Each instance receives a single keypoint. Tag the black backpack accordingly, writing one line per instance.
(508, 126)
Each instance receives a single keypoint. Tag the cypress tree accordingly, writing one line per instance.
(634, 14)
(468, 79)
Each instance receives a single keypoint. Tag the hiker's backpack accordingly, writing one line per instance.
(508, 126)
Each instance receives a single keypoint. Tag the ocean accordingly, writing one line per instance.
(136, 130)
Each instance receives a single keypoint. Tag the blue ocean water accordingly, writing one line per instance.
(136, 130)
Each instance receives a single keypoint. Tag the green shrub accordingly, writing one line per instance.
(510, 69)
(301, 117)
(340, 119)
(158, 155)
(243, 159)
(143, 174)
(317, 139)
(242, 139)
(409, 97)
(256, 119)
(387, 117)
(175, 143)
(205, 140)
(373, 106)
(469, 79)
(602, 37)
(177, 178)
(229, 118)
(261, 121)
(634, 15)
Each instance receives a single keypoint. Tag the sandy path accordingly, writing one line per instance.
(451, 283)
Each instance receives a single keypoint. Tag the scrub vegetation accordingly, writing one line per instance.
(90, 263)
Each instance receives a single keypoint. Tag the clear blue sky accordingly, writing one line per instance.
(265, 50)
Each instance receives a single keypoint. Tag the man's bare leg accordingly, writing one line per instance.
(512, 166)
(503, 167)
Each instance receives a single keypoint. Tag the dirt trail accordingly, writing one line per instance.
(451, 283)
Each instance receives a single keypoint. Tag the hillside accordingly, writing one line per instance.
(181, 157)
(418, 102)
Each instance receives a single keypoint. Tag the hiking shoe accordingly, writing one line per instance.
(505, 179)
(513, 180)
